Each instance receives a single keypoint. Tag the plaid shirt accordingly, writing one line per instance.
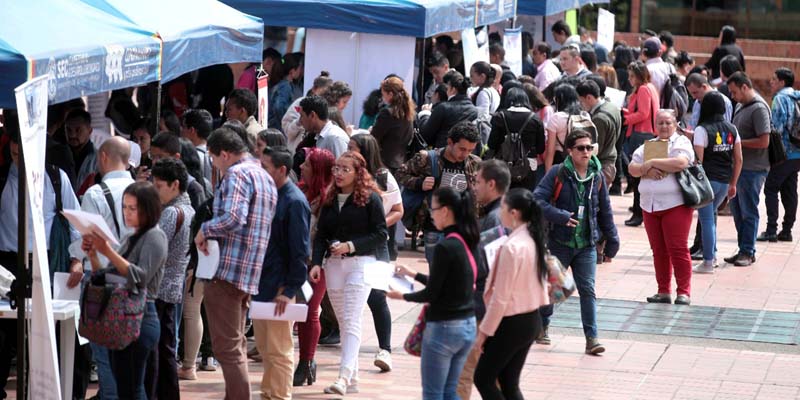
(244, 206)
(783, 118)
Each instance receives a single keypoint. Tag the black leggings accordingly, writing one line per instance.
(504, 356)
(382, 318)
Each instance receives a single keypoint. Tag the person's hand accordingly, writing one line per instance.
(87, 245)
(731, 191)
(406, 271)
(142, 173)
(572, 223)
(201, 242)
(315, 274)
(655, 174)
(280, 304)
(394, 294)
(101, 245)
(340, 249)
(427, 107)
(75, 274)
(480, 341)
(428, 183)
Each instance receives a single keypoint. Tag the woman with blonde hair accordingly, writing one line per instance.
(609, 75)
(395, 123)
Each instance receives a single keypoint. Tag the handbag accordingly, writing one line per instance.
(111, 315)
(413, 342)
(695, 186)
(562, 284)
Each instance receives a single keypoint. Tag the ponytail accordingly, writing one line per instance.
(523, 201)
(463, 207)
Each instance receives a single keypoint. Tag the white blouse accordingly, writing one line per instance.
(660, 195)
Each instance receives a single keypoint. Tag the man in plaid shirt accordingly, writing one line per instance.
(244, 206)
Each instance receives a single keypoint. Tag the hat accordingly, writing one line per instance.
(651, 47)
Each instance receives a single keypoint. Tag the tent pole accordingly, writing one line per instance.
(22, 280)
(156, 107)
(421, 76)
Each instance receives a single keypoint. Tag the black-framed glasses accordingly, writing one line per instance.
(584, 147)
(436, 208)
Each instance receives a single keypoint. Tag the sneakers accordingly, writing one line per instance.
(697, 254)
(383, 360)
(593, 347)
(543, 338)
(92, 374)
(208, 364)
(767, 237)
(683, 300)
(660, 298)
(339, 387)
(187, 374)
(785, 236)
(741, 260)
(704, 268)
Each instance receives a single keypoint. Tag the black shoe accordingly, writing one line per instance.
(731, 259)
(744, 260)
(785, 236)
(697, 254)
(330, 339)
(630, 209)
(664, 298)
(683, 299)
(635, 220)
(615, 190)
(628, 189)
(306, 372)
(766, 236)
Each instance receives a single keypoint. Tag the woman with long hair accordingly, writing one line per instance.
(315, 177)
(640, 117)
(283, 93)
(394, 125)
(450, 328)
(727, 46)
(350, 230)
(367, 146)
(140, 262)
(567, 104)
(623, 57)
(518, 118)
(515, 291)
(483, 94)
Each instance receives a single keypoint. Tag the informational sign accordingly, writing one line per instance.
(605, 28)
(476, 46)
(263, 99)
(512, 43)
(44, 382)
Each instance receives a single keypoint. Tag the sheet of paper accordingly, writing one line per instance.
(655, 149)
(402, 284)
(307, 290)
(60, 289)
(390, 199)
(207, 264)
(266, 311)
(88, 223)
(378, 274)
(615, 96)
(491, 249)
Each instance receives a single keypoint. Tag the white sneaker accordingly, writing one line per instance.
(704, 268)
(339, 387)
(383, 360)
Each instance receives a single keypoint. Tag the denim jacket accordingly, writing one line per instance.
(783, 118)
(601, 218)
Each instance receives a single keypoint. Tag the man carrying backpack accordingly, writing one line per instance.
(671, 91)
(607, 120)
(782, 178)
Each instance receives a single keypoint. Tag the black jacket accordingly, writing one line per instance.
(532, 135)
(434, 128)
(364, 226)
(719, 53)
(393, 135)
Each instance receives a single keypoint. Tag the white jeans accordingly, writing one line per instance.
(348, 294)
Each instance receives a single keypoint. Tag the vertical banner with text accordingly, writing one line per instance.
(512, 43)
(605, 28)
(263, 100)
(32, 108)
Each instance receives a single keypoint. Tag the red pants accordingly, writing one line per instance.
(308, 332)
(668, 232)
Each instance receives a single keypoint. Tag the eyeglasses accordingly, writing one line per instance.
(586, 147)
(341, 170)
(436, 208)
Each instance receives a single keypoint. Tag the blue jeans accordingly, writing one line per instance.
(744, 208)
(584, 264)
(445, 346)
(432, 238)
(706, 216)
(129, 363)
(107, 386)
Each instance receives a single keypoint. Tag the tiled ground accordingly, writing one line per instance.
(629, 369)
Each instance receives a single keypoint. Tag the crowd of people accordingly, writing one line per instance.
(313, 201)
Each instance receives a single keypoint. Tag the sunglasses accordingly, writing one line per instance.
(587, 147)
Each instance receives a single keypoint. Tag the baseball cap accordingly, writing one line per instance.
(651, 47)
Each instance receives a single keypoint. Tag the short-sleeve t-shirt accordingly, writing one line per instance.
(557, 124)
(752, 121)
(701, 137)
(453, 175)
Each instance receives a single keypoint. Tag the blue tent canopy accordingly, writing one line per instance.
(195, 33)
(418, 18)
(550, 7)
(84, 50)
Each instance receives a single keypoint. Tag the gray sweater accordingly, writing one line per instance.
(146, 260)
(171, 289)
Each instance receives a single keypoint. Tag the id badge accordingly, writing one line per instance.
(579, 214)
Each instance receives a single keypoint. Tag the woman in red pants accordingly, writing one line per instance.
(666, 219)
(315, 177)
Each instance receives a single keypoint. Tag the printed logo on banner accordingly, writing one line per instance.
(51, 74)
(114, 56)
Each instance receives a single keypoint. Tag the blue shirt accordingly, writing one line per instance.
(783, 118)
(288, 250)
(695, 118)
(9, 210)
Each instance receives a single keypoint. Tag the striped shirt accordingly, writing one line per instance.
(244, 205)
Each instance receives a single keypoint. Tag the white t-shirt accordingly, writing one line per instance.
(660, 195)
(392, 194)
(557, 125)
(701, 137)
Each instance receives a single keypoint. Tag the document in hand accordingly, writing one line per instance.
(60, 289)
(88, 223)
(389, 200)
(266, 311)
(402, 284)
(207, 264)
(655, 148)
(378, 274)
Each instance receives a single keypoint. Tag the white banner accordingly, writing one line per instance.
(512, 43)
(605, 28)
(475, 46)
(32, 108)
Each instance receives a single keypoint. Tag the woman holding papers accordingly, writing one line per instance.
(666, 219)
(140, 261)
(367, 146)
(350, 230)
(514, 293)
(450, 327)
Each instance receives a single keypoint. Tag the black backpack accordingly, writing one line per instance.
(674, 96)
(513, 152)
(794, 133)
